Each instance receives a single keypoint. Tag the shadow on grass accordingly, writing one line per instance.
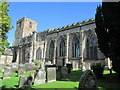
(73, 76)
(109, 81)
(23, 88)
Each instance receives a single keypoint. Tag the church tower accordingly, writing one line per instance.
(24, 27)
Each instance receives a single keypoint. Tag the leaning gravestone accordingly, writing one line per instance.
(7, 72)
(88, 80)
(64, 73)
(40, 77)
(51, 74)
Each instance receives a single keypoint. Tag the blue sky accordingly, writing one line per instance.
(50, 15)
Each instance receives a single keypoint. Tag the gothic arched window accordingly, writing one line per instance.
(51, 50)
(62, 48)
(75, 47)
(38, 54)
(87, 49)
(91, 47)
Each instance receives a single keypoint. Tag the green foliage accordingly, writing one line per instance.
(37, 63)
(5, 21)
(107, 20)
(98, 70)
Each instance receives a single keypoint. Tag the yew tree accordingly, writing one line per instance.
(107, 20)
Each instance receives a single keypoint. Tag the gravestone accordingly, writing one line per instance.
(75, 65)
(30, 66)
(22, 81)
(69, 66)
(86, 65)
(88, 80)
(14, 68)
(48, 63)
(64, 73)
(42, 65)
(21, 66)
(51, 74)
(25, 81)
(2, 68)
(40, 77)
(7, 72)
(29, 80)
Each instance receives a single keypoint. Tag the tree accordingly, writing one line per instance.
(107, 20)
(5, 21)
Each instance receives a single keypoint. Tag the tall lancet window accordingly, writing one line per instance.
(62, 48)
(51, 49)
(75, 48)
(87, 49)
(91, 47)
(38, 54)
(95, 48)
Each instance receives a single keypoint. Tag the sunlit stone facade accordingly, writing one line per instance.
(76, 44)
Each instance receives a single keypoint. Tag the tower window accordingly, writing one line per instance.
(20, 24)
(30, 25)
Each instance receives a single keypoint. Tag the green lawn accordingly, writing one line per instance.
(109, 81)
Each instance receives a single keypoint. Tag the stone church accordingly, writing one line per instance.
(75, 44)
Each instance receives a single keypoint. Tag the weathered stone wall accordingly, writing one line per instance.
(42, 41)
(6, 59)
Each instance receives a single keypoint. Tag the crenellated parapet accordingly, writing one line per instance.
(74, 25)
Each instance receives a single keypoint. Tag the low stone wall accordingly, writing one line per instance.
(88, 63)
(75, 64)
(4, 59)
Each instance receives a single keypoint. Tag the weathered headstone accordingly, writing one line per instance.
(88, 80)
(64, 73)
(42, 65)
(40, 77)
(69, 66)
(21, 66)
(48, 63)
(51, 74)
(86, 65)
(7, 72)
(22, 81)
(75, 65)
(14, 68)
(28, 67)
(25, 81)
(29, 80)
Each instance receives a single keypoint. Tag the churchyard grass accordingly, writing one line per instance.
(73, 80)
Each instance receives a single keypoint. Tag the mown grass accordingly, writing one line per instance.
(108, 81)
